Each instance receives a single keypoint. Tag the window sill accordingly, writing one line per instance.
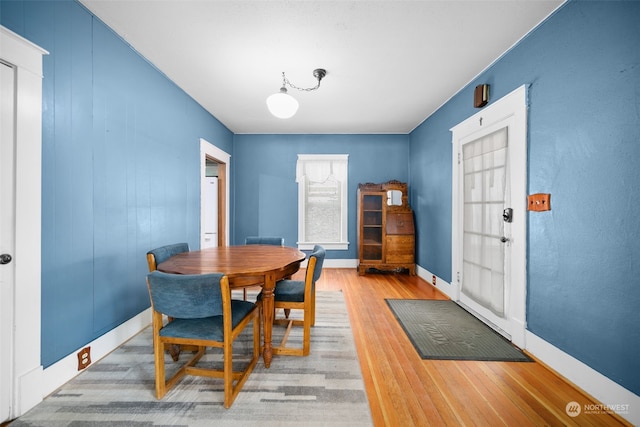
(308, 246)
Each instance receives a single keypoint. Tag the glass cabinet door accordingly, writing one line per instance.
(372, 227)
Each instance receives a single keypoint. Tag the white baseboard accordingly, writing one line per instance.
(27, 383)
(441, 285)
(612, 395)
(65, 369)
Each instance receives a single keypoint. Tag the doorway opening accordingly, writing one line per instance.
(489, 214)
(214, 190)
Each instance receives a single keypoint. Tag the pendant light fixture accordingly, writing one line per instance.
(283, 105)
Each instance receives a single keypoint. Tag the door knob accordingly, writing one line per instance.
(5, 259)
(504, 239)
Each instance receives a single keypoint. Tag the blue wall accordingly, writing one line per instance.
(120, 175)
(583, 68)
(121, 159)
(265, 188)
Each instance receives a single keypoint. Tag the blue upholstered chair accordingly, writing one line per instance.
(264, 240)
(163, 253)
(299, 295)
(157, 256)
(261, 240)
(204, 315)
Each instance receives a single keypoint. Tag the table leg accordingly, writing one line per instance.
(267, 316)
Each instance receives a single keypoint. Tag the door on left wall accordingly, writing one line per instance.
(7, 235)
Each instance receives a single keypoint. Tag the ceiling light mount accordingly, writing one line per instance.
(319, 74)
(283, 105)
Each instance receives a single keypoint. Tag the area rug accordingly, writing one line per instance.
(324, 388)
(443, 330)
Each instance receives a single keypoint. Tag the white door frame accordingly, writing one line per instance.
(24, 388)
(511, 110)
(208, 150)
(7, 234)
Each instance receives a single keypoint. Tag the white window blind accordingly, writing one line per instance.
(322, 200)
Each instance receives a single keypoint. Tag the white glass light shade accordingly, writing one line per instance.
(282, 105)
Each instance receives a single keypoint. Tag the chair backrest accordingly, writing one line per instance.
(264, 240)
(318, 253)
(186, 296)
(163, 253)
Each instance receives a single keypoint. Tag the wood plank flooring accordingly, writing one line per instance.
(405, 390)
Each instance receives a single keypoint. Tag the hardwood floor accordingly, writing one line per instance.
(405, 390)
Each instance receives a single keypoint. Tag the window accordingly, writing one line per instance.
(322, 200)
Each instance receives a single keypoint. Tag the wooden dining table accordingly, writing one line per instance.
(247, 265)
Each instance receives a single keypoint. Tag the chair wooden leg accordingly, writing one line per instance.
(158, 356)
(228, 371)
(174, 351)
(306, 336)
(232, 390)
(313, 307)
(256, 334)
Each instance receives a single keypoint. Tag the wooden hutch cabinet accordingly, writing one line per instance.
(386, 234)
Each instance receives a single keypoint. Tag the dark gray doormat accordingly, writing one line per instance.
(440, 329)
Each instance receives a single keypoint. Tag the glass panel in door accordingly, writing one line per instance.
(484, 172)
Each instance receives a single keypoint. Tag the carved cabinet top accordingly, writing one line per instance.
(387, 187)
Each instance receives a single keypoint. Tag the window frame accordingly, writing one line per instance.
(302, 201)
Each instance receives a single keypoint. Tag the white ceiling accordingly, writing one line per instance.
(390, 64)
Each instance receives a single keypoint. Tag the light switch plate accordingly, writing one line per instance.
(539, 202)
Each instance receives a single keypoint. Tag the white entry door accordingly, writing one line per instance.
(7, 236)
(489, 214)
(20, 219)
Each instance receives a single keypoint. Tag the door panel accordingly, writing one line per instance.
(7, 237)
(489, 175)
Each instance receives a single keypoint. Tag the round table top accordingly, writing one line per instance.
(244, 260)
